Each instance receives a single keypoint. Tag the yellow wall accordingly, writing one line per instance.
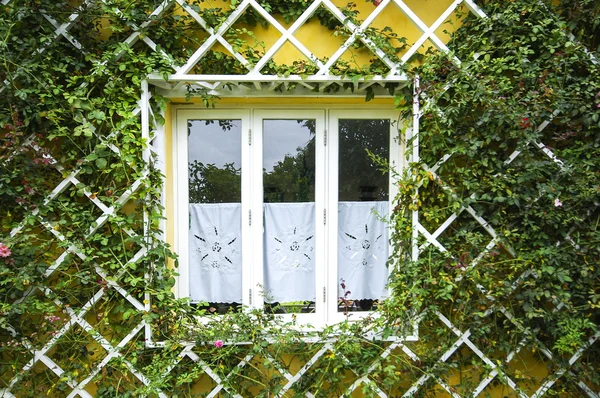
(323, 43)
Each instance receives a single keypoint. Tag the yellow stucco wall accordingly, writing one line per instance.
(323, 43)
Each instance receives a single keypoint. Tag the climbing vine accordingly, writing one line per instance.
(510, 136)
(509, 149)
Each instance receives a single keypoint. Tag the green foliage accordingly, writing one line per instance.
(526, 88)
(66, 113)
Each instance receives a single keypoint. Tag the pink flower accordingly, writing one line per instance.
(52, 318)
(43, 160)
(4, 250)
(377, 2)
(557, 203)
(219, 343)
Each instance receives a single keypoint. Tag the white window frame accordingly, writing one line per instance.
(395, 161)
(181, 189)
(258, 116)
(326, 196)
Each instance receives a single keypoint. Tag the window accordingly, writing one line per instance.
(282, 209)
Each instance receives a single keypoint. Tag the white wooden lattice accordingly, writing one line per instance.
(263, 85)
(420, 233)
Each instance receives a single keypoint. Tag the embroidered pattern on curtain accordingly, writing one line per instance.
(363, 248)
(215, 246)
(289, 250)
(289, 266)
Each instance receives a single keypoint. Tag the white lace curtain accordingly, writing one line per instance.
(289, 251)
(289, 267)
(362, 249)
(215, 241)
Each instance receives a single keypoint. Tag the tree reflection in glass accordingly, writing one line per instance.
(360, 178)
(214, 161)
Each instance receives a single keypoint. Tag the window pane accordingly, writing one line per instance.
(214, 172)
(363, 195)
(289, 211)
(360, 179)
(215, 161)
(289, 161)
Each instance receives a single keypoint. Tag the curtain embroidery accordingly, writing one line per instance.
(215, 248)
(289, 251)
(289, 248)
(363, 248)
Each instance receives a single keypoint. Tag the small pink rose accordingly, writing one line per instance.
(377, 2)
(4, 250)
(219, 343)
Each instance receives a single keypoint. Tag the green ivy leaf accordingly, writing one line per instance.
(101, 163)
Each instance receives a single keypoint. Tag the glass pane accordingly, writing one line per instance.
(363, 195)
(289, 161)
(360, 178)
(289, 211)
(215, 244)
(215, 161)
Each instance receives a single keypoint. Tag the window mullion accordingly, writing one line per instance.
(332, 216)
(248, 215)
(255, 143)
(397, 160)
(321, 179)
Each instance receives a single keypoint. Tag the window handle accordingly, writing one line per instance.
(324, 294)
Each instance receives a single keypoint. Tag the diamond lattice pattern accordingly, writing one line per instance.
(107, 349)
